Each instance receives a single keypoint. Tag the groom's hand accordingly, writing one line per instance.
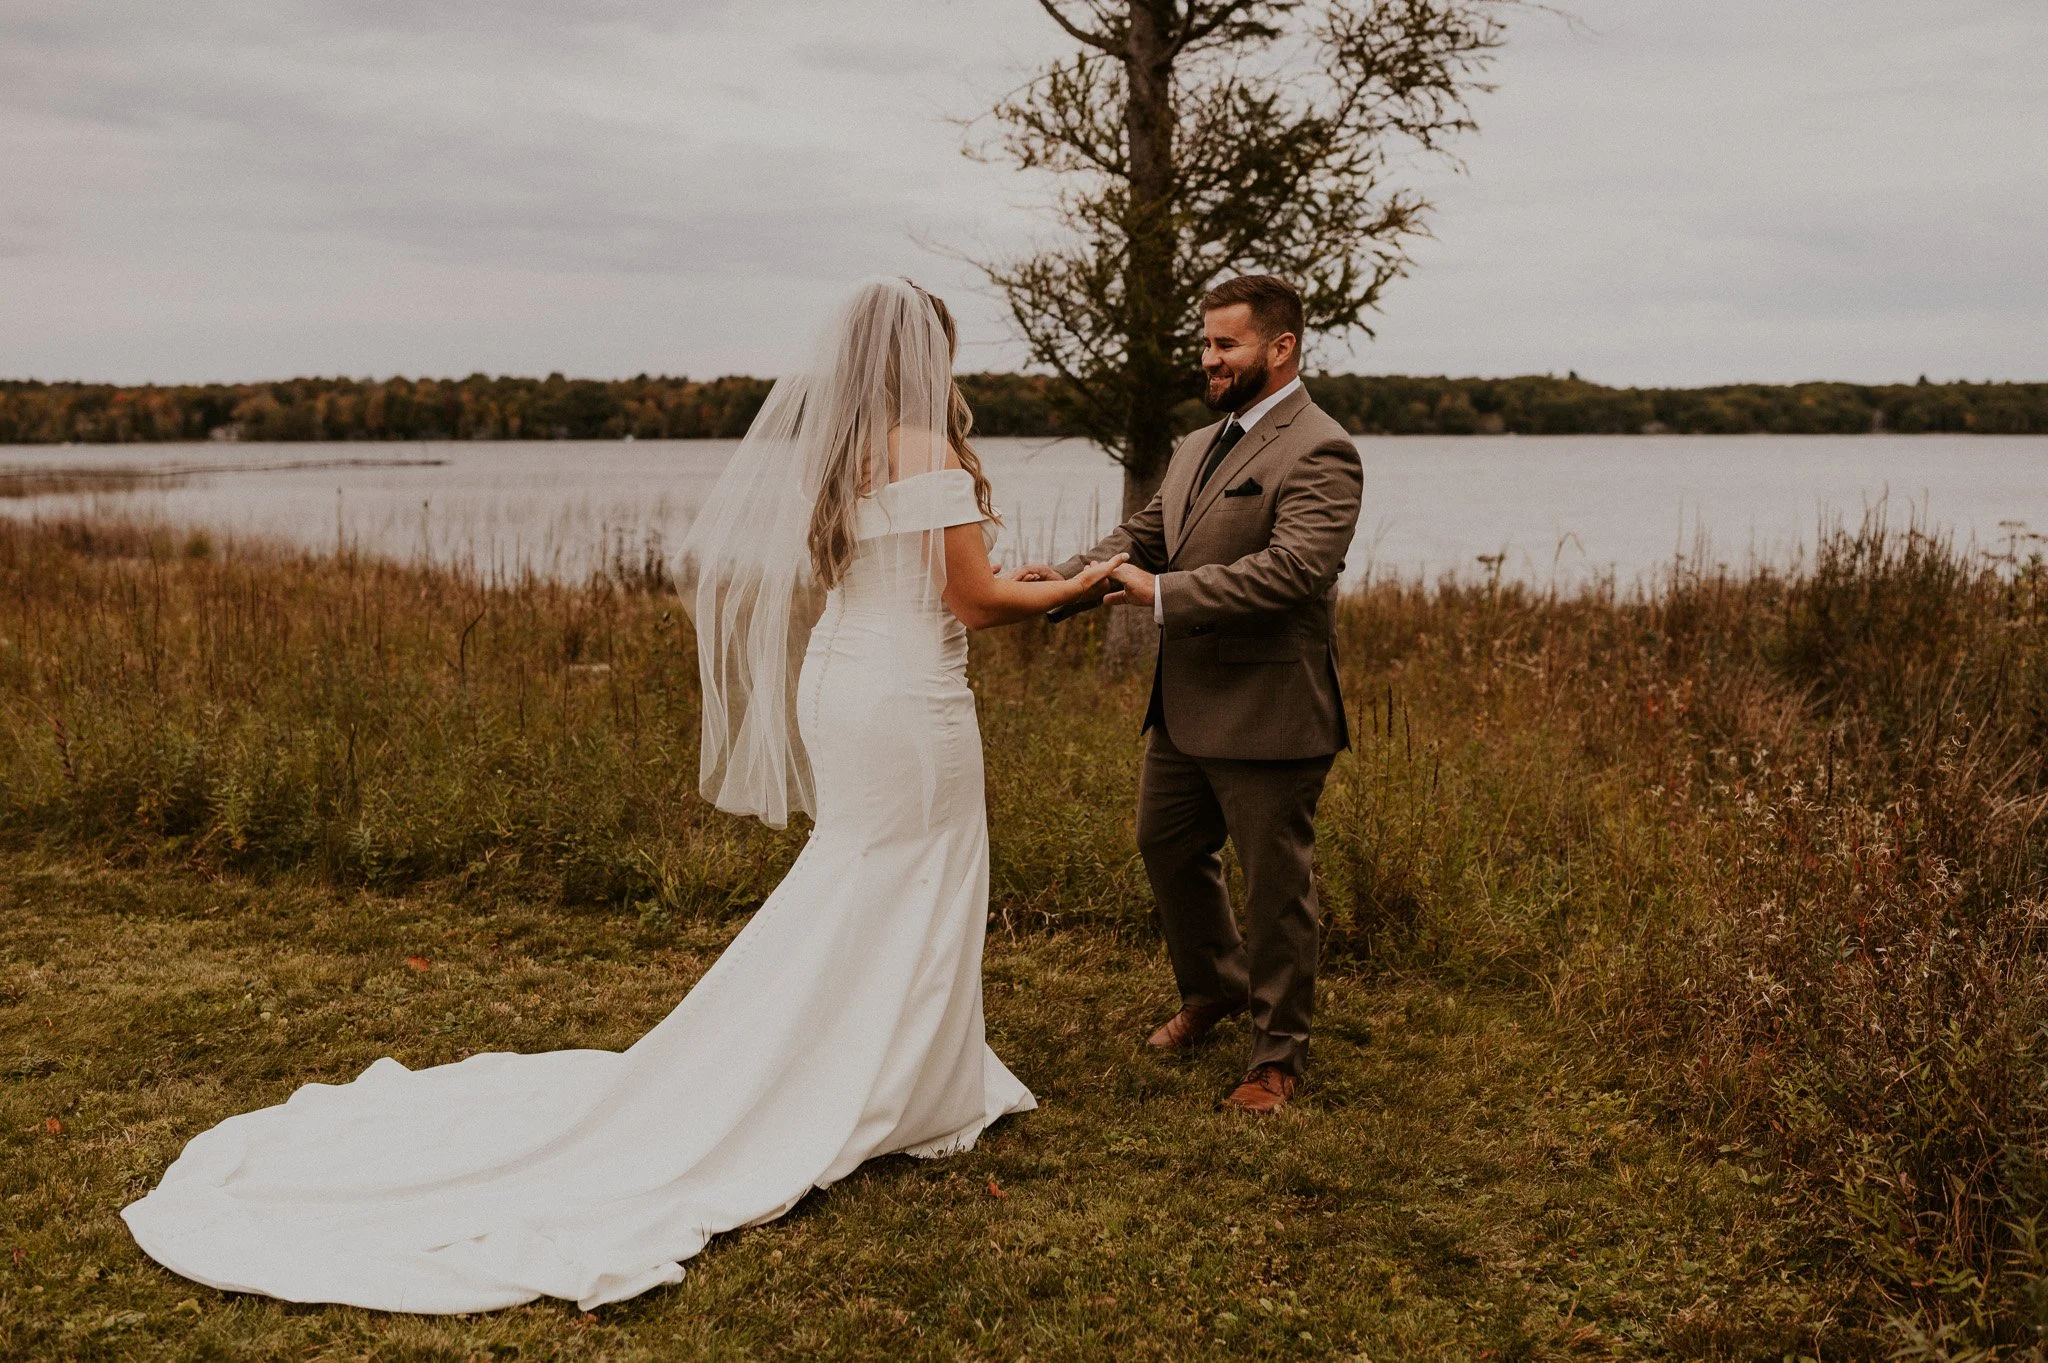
(1137, 587)
(1035, 572)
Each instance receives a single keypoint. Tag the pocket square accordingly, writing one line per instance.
(1248, 488)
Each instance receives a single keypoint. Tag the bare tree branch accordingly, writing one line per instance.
(1225, 21)
(1102, 42)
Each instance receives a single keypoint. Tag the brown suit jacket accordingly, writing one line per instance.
(1248, 655)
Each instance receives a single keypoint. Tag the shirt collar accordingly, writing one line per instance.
(1253, 416)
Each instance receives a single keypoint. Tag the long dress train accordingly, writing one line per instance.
(843, 1023)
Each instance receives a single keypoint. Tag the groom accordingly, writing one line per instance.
(1237, 557)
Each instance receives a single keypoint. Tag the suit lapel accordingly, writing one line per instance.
(1247, 449)
(1180, 476)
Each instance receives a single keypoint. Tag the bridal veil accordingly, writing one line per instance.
(869, 408)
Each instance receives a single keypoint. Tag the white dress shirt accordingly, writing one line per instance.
(1248, 418)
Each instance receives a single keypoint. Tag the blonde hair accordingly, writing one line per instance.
(847, 476)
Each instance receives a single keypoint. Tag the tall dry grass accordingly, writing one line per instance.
(1778, 836)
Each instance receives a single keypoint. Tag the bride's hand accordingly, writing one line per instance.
(1086, 582)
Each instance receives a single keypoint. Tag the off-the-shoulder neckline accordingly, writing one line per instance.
(928, 473)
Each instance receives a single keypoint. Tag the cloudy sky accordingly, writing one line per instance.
(1663, 193)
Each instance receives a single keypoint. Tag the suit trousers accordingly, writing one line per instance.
(1187, 807)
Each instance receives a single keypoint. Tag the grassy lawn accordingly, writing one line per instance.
(1685, 983)
(1464, 1180)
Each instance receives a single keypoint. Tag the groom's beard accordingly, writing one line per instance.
(1243, 387)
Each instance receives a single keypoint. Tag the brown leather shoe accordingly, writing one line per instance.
(1191, 1026)
(1265, 1090)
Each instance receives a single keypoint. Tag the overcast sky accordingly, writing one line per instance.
(1668, 193)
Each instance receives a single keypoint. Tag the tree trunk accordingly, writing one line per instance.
(1148, 288)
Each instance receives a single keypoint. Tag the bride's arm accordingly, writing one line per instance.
(982, 600)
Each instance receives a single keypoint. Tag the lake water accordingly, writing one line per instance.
(1556, 509)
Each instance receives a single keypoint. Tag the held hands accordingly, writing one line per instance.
(1134, 584)
(1137, 585)
(1089, 580)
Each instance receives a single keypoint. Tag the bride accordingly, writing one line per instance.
(843, 1023)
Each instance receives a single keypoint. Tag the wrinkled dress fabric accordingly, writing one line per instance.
(844, 1022)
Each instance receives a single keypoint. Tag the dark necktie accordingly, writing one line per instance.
(1232, 433)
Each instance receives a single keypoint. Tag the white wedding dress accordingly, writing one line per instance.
(844, 1023)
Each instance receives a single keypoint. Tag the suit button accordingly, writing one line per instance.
(1200, 629)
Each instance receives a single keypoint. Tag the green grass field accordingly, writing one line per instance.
(1461, 1182)
(1683, 996)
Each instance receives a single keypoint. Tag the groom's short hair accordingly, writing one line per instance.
(1275, 303)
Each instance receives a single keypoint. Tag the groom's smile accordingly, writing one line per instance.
(1235, 358)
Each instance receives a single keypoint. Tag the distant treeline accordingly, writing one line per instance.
(1540, 405)
(484, 408)
(476, 408)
